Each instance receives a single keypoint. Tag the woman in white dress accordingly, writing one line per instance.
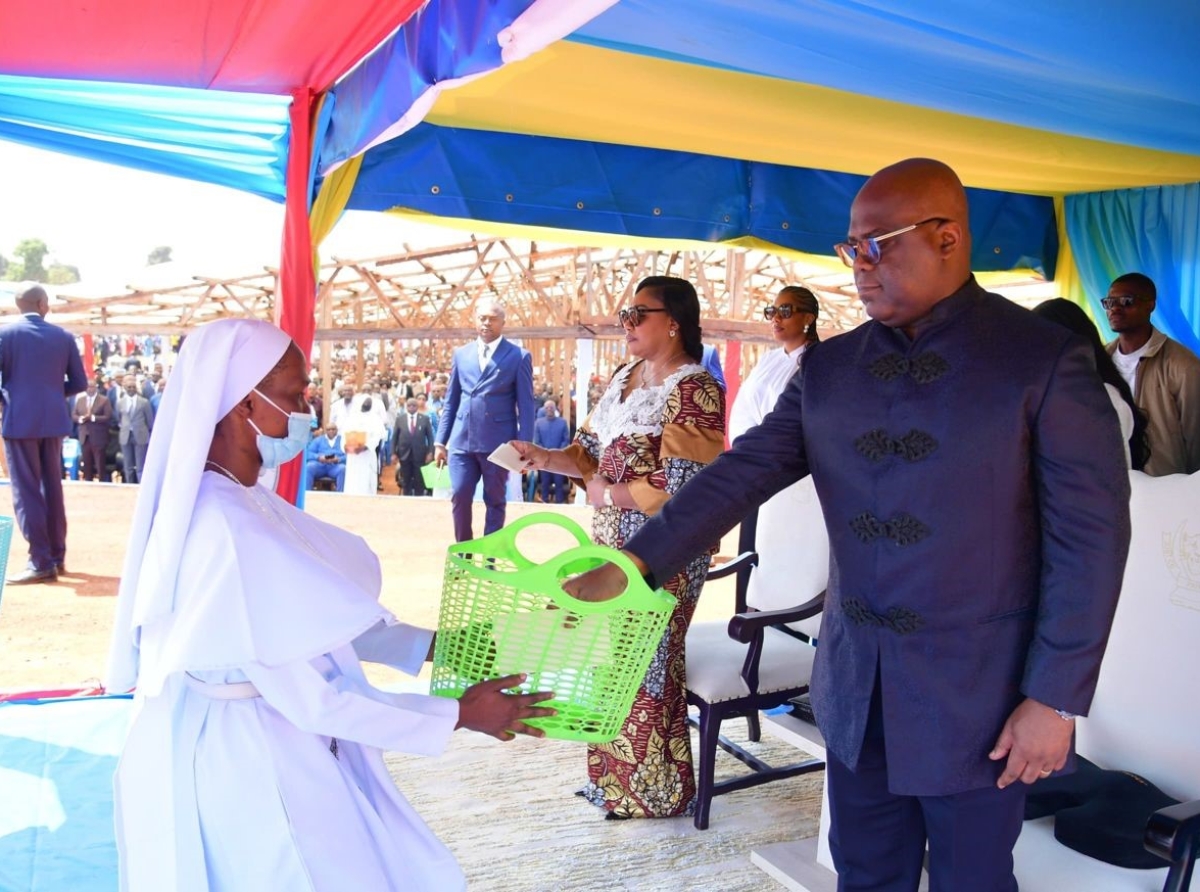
(362, 459)
(786, 564)
(254, 757)
(793, 319)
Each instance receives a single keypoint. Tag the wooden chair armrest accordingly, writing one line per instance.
(744, 627)
(743, 560)
(1173, 834)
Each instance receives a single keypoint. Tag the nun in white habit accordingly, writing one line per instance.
(253, 761)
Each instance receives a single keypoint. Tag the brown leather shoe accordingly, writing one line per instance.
(34, 577)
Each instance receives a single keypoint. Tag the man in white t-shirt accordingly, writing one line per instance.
(1163, 374)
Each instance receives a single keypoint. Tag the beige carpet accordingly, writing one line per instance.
(508, 813)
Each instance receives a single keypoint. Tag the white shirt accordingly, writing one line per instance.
(487, 351)
(761, 389)
(1127, 364)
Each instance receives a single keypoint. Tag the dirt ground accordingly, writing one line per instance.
(56, 636)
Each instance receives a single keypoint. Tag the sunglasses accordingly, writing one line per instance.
(636, 315)
(787, 311)
(1124, 302)
(850, 249)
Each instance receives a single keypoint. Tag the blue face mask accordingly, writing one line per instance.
(276, 451)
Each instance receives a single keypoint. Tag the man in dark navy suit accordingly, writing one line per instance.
(39, 367)
(973, 481)
(412, 444)
(489, 402)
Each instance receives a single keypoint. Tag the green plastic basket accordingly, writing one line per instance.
(503, 614)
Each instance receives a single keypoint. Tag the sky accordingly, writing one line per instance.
(105, 220)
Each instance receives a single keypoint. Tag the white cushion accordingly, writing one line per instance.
(793, 553)
(714, 662)
(1145, 717)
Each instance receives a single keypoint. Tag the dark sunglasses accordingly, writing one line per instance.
(1124, 302)
(787, 311)
(636, 315)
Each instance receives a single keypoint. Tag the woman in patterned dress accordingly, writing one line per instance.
(661, 419)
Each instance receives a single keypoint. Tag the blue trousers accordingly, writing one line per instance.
(554, 487)
(877, 838)
(35, 466)
(318, 470)
(466, 468)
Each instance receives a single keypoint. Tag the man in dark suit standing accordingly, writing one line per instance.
(40, 367)
(489, 402)
(93, 414)
(972, 476)
(136, 420)
(412, 444)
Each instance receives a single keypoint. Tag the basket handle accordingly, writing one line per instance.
(637, 594)
(507, 535)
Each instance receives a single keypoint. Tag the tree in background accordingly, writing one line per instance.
(31, 265)
(61, 274)
(161, 254)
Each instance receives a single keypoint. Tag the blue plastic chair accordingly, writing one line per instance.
(71, 453)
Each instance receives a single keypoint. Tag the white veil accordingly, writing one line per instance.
(218, 366)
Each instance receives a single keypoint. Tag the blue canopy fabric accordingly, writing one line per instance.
(1155, 231)
(626, 190)
(443, 40)
(238, 140)
(761, 107)
(1120, 73)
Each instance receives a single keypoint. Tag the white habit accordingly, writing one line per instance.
(242, 621)
(362, 468)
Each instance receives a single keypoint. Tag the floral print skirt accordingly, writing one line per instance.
(646, 772)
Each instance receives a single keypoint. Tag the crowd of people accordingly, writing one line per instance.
(971, 460)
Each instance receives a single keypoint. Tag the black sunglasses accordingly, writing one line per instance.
(787, 311)
(636, 315)
(1124, 302)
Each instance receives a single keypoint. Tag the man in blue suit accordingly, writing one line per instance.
(39, 366)
(489, 402)
(974, 485)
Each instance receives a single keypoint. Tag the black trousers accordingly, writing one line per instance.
(35, 466)
(877, 839)
(409, 471)
(94, 461)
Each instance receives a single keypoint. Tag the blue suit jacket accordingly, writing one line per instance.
(39, 367)
(974, 488)
(486, 408)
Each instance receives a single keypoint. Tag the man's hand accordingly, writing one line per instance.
(485, 708)
(439, 452)
(428, 458)
(602, 584)
(1036, 741)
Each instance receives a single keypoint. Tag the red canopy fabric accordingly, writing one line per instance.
(256, 46)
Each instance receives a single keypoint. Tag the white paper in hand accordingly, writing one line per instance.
(506, 456)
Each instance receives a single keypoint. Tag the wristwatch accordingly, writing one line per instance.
(608, 502)
(1065, 716)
